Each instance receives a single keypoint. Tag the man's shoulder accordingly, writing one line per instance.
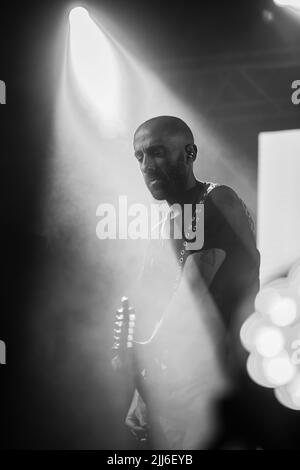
(221, 194)
(223, 201)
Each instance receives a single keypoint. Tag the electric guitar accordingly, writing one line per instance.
(124, 326)
(129, 357)
(127, 353)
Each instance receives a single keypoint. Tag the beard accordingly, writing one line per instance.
(166, 184)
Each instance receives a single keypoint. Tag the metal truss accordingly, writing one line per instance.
(252, 85)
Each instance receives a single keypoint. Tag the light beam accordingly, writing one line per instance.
(95, 68)
(288, 3)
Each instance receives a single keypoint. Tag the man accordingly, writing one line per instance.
(191, 302)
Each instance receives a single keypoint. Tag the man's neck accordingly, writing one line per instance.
(186, 196)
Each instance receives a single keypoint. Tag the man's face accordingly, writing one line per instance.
(162, 162)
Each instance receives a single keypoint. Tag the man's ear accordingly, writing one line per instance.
(191, 150)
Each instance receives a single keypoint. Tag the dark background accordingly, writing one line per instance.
(201, 50)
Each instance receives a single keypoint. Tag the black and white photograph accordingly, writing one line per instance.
(150, 247)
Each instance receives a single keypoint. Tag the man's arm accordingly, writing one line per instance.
(236, 283)
(136, 419)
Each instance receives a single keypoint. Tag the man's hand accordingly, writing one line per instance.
(136, 418)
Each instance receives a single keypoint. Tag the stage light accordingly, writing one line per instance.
(294, 4)
(294, 391)
(279, 370)
(255, 371)
(266, 299)
(249, 330)
(269, 341)
(272, 336)
(95, 68)
(284, 312)
(281, 310)
(288, 3)
(77, 14)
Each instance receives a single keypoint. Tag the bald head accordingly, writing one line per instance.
(167, 126)
(165, 149)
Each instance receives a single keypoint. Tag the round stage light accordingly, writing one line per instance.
(280, 309)
(78, 14)
(279, 370)
(272, 337)
(266, 299)
(284, 312)
(269, 341)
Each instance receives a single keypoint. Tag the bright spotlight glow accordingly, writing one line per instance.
(294, 390)
(95, 67)
(284, 312)
(288, 3)
(266, 299)
(281, 310)
(269, 341)
(272, 336)
(76, 14)
(279, 370)
(249, 329)
(255, 371)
